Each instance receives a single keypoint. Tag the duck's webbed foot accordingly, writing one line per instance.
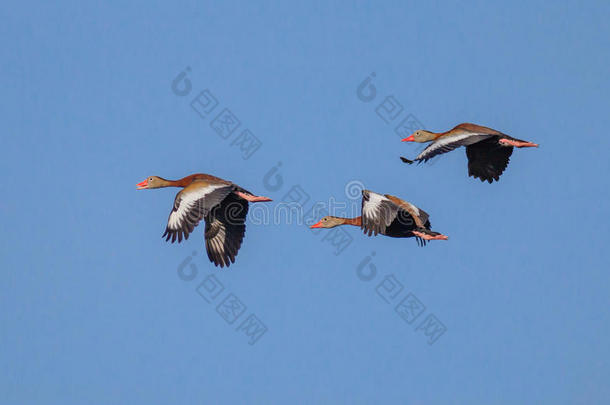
(252, 198)
(518, 144)
(430, 235)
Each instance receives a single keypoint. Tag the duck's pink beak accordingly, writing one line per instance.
(142, 185)
(318, 225)
(409, 139)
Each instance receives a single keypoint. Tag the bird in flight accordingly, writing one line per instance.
(488, 151)
(222, 204)
(387, 215)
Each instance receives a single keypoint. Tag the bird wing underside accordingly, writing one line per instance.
(191, 205)
(377, 213)
(225, 227)
(488, 159)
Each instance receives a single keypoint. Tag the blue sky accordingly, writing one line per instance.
(97, 308)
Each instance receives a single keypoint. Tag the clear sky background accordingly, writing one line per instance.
(92, 306)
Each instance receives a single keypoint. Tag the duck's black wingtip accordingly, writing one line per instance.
(405, 160)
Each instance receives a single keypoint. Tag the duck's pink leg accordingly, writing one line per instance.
(518, 144)
(430, 237)
(252, 198)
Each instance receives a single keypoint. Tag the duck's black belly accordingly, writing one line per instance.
(401, 227)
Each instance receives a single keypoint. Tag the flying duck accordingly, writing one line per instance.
(387, 215)
(222, 204)
(488, 150)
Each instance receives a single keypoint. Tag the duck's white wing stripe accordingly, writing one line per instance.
(447, 144)
(373, 207)
(187, 201)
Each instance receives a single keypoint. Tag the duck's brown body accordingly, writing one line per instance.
(222, 204)
(488, 150)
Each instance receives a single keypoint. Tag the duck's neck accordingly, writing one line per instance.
(183, 182)
(351, 221)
